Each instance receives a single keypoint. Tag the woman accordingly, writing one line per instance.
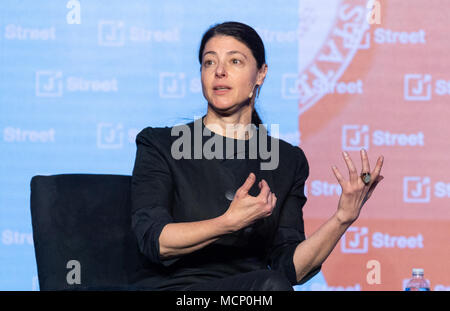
(224, 223)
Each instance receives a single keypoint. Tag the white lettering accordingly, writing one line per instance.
(385, 138)
(246, 300)
(16, 32)
(10, 237)
(138, 34)
(278, 36)
(442, 190)
(323, 188)
(73, 16)
(11, 135)
(79, 84)
(384, 240)
(442, 87)
(387, 36)
(324, 87)
(197, 301)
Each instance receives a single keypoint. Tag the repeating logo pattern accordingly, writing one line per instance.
(378, 88)
(80, 81)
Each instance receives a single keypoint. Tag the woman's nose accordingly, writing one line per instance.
(220, 70)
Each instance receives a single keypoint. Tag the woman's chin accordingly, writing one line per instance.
(227, 106)
(223, 105)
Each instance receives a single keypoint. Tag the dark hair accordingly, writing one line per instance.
(244, 34)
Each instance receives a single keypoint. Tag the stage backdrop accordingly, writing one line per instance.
(80, 78)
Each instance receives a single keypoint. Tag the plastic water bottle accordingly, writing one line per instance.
(417, 282)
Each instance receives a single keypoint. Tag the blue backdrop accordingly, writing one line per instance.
(79, 79)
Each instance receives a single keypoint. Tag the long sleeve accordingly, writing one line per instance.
(290, 230)
(151, 194)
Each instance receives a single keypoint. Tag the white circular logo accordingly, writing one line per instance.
(330, 33)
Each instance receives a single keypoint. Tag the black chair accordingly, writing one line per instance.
(82, 232)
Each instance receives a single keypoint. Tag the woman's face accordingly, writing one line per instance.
(229, 73)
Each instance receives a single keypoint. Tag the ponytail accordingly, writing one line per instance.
(256, 120)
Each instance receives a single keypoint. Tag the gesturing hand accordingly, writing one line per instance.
(246, 209)
(354, 191)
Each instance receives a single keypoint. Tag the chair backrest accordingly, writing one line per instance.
(82, 231)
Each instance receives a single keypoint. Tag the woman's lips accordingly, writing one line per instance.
(221, 90)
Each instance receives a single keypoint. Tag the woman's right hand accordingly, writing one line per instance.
(245, 209)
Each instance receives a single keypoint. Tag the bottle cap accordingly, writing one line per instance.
(417, 271)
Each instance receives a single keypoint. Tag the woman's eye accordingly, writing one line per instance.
(236, 61)
(208, 62)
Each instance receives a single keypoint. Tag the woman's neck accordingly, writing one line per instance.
(237, 125)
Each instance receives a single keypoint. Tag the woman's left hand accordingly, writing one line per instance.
(354, 191)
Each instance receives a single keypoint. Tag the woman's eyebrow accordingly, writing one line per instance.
(230, 52)
(234, 52)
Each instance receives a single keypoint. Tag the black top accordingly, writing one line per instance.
(168, 188)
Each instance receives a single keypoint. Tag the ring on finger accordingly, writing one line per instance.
(366, 178)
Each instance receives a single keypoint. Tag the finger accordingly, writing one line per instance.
(338, 175)
(377, 170)
(268, 198)
(353, 174)
(271, 202)
(265, 191)
(246, 186)
(365, 161)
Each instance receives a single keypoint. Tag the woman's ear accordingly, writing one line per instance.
(261, 74)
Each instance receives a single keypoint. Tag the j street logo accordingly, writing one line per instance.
(111, 33)
(114, 33)
(291, 84)
(175, 84)
(172, 85)
(416, 189)
(385, 36)
(420, 87)
(356, 137)
(109, 136)
(112, 135)
(417, 87)
(50, 83)
(357, 241)
(419, 189)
